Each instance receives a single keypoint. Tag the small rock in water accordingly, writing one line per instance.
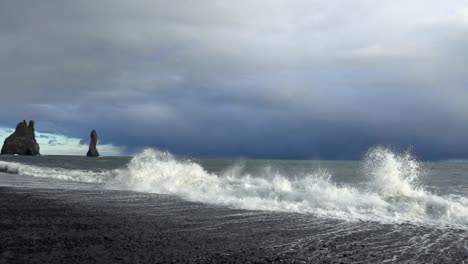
(92, 152)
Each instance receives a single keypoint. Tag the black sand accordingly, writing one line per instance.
(71, 226)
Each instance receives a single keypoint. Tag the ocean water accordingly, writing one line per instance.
(400, 206)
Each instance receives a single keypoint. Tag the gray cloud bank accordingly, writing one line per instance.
(268, 79)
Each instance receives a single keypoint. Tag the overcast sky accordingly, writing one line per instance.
(264, 79)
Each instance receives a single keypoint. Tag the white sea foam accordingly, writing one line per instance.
(391, 174)
(391, 195)
(55, 173)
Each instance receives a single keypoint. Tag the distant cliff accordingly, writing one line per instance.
(22, 141)
(92, 152)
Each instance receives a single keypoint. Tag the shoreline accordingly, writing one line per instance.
(100, 226)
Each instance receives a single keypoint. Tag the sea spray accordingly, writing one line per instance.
(390, 195)
(391, 174)
(160, 172)
(154, 171)
(395, 177)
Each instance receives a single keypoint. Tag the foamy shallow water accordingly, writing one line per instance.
(148, 228)
(386, 203)
(384, 187)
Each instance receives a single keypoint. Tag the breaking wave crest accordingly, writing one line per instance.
(392, 193)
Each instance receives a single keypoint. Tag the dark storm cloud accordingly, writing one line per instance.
(283, 79)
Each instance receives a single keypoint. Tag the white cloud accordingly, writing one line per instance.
(55, 144)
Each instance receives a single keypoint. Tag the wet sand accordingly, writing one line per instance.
(76, 226)
(40, 229)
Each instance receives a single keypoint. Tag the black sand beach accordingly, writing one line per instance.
(234, 132)
(75, 226)
(41, 226)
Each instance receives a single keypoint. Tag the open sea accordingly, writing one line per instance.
(386, 208)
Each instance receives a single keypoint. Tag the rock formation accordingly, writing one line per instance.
(22, 141)
(92, 152)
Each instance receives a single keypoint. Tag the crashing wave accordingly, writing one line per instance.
(391, 194)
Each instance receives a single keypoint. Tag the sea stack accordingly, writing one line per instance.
(22, 141)
(92, 152)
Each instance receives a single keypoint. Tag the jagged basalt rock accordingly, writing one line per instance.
(92, 152)
(22, 141)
